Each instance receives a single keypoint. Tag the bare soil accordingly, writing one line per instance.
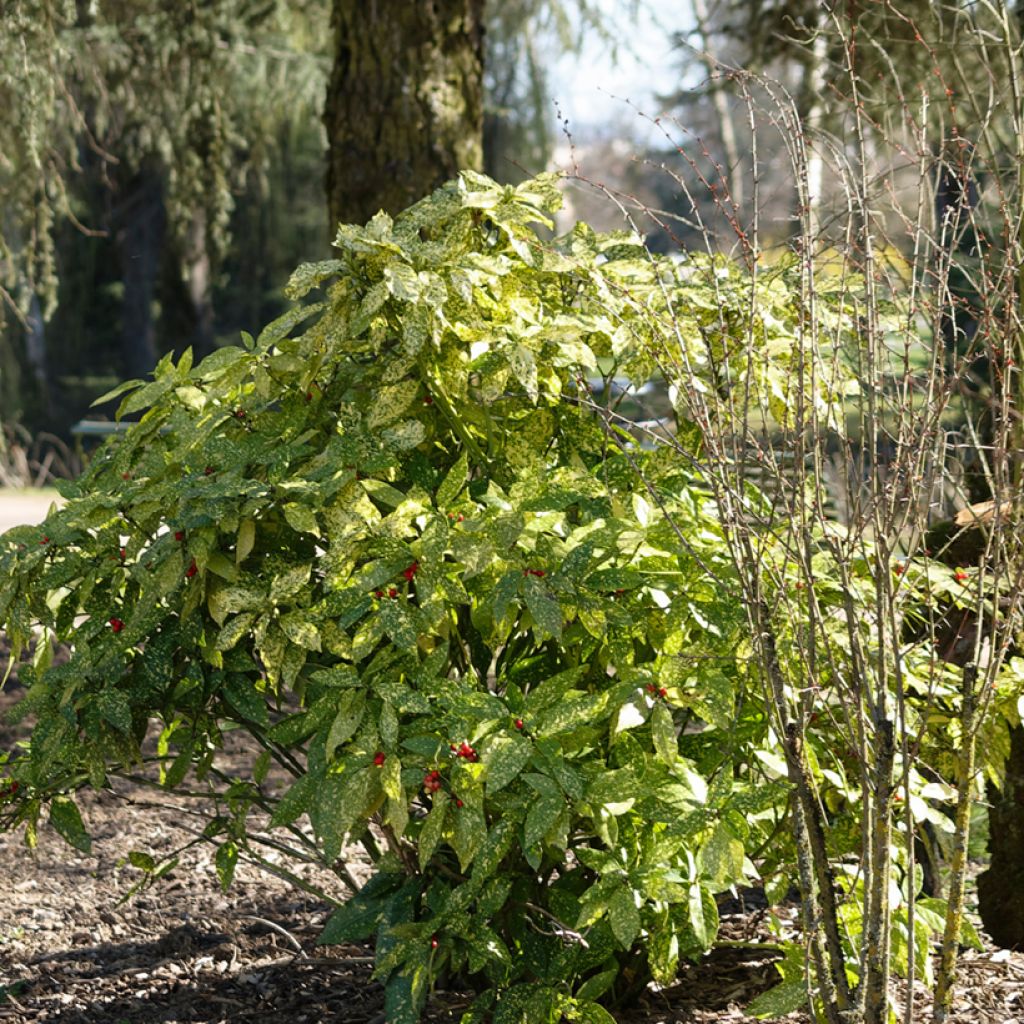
(72, 950)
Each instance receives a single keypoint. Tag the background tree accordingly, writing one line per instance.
(404, 109)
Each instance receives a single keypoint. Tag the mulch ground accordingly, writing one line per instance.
(73, 950)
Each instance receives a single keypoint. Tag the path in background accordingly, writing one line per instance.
(20, 507)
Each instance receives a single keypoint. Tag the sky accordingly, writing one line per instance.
(594, 90)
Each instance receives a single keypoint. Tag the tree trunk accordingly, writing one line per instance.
(199, 282)
(139, 235)
(1001, 887)
(404, 110)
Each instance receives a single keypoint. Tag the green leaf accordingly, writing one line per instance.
(397, 622)
(280, 327)
(296, 801)
(301, 518)
(390, 402)
(433, 829)
(596, 986)
(359, 916)
(469, 830)
(624, 916)
(547, 613)
(233, 631)
(245, 540)
(405, 993)
(785, 998)
(108, 396)
(114, 708)
(67, 821)
(300, 630)
(663, 732)
(351, 708)
(573, 713)
(289, 583)
(593, 1013)
(523, 365)
(541, 818)
(242, 695)
(226, 860)
(337, 806)
(721, 857)
(505, 756)
(453, 482)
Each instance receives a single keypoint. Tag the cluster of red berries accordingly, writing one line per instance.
(658, 691)
(44, 540)
(191, 570)
(456, 518)
(392, 593)
(534, 572)
(432, 781)
(410, 572)
(466, 751)
(116, 624)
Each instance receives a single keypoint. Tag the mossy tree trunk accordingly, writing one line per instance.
(404, 108)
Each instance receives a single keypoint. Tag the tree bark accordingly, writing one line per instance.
(404, 109)
(199, 283)
(139, 236)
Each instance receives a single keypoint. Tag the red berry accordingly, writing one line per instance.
(900, 569)
(209, 471)
(519, 723)
(428, 400)
(44, 540)
(116, 625)
(124, 554)
(239, 414)
(410, 572)
(651, 688)
(959, 576)
(662, 692)
(126, 476)
(179, 535)
(433, 942)
(460, 518)
(392, 593)
(378, 593)
(191, 570)
(309, 396)
(379, 758)
(458, 803)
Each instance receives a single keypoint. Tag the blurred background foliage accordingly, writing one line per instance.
(162, 171)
